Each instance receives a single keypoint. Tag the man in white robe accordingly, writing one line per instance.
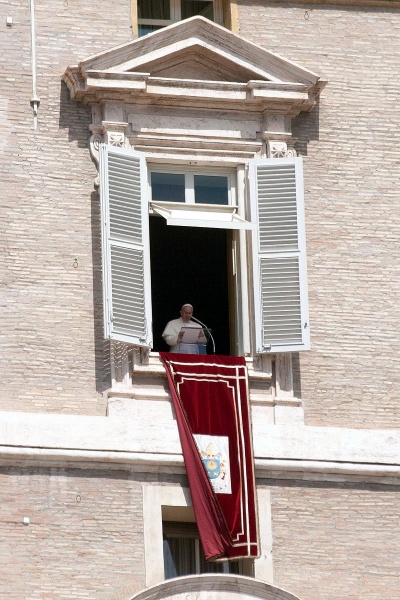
(173, 333)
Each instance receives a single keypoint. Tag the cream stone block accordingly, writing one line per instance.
(198, 125)
(154, 498)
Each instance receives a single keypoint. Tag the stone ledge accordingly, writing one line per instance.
(173, 463)
(30, 431)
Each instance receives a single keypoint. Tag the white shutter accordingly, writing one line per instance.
(125, 244)
(279, 255)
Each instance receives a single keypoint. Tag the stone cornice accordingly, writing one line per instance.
(173, 463)
(224, 70)
(311, 453)
(99, 86)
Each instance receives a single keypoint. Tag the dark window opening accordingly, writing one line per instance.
(190, 8)
(190, 264)
(145, 29)
(154, 9)
(163, 12)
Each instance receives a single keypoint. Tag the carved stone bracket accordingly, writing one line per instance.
(120, 365)
(288, 409)
(280, 149)
(113, 134)
(94, 147)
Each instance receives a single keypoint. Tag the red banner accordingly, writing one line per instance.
(210, 396)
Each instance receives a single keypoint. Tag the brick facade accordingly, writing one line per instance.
(52, 311)
(85, 536)
(350, 145)
(84, 539)
(343, 533)
(332, 538)
(54, 357)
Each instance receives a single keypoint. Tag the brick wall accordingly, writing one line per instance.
(53, 353)
(351, 150)
(84, 540)
(331, 541)
(335, 541)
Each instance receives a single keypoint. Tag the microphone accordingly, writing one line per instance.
(207, 329)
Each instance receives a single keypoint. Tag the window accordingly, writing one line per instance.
(191, 188)
(183, 553)
(170, 528)
(155, 14)
(195, 199)
(194, 263)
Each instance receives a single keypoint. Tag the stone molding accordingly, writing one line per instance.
(280, 450)
(174, 464)
(219, 587)
(194, 70)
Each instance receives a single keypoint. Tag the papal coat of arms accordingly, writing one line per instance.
(214, 451)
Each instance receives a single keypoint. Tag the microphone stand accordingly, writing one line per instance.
(207, 329)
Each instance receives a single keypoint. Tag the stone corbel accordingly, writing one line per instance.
(120, 365)
(277, 135)
(288, 408)
(263, 363)
(284, 376)
(113, 134)
(94, 147)
(278, 149)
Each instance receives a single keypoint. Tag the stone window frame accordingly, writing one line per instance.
(260, 83)
(175, 498)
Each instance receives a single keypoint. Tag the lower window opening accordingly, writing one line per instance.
(183, 553)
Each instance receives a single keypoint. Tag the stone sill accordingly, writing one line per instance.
(156, 369)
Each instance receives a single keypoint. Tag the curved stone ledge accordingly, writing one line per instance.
(217, 587)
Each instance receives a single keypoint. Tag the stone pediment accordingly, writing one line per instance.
(194, 59)
(198, 63)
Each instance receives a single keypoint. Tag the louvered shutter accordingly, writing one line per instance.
(125, 245)
(279, 255)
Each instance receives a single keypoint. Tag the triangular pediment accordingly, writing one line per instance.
(198, 51)
(230, 56)
(197, 63)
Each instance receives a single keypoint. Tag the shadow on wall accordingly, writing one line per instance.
(305, 129)
(296, 367)
(76, 118)
(102, 346)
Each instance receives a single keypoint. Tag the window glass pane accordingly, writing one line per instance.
(153, 9)
(211, 189)
(218, 567)
(169, 187)
(183, 553)
(145, 29)
(190, 8)
(179, 557)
